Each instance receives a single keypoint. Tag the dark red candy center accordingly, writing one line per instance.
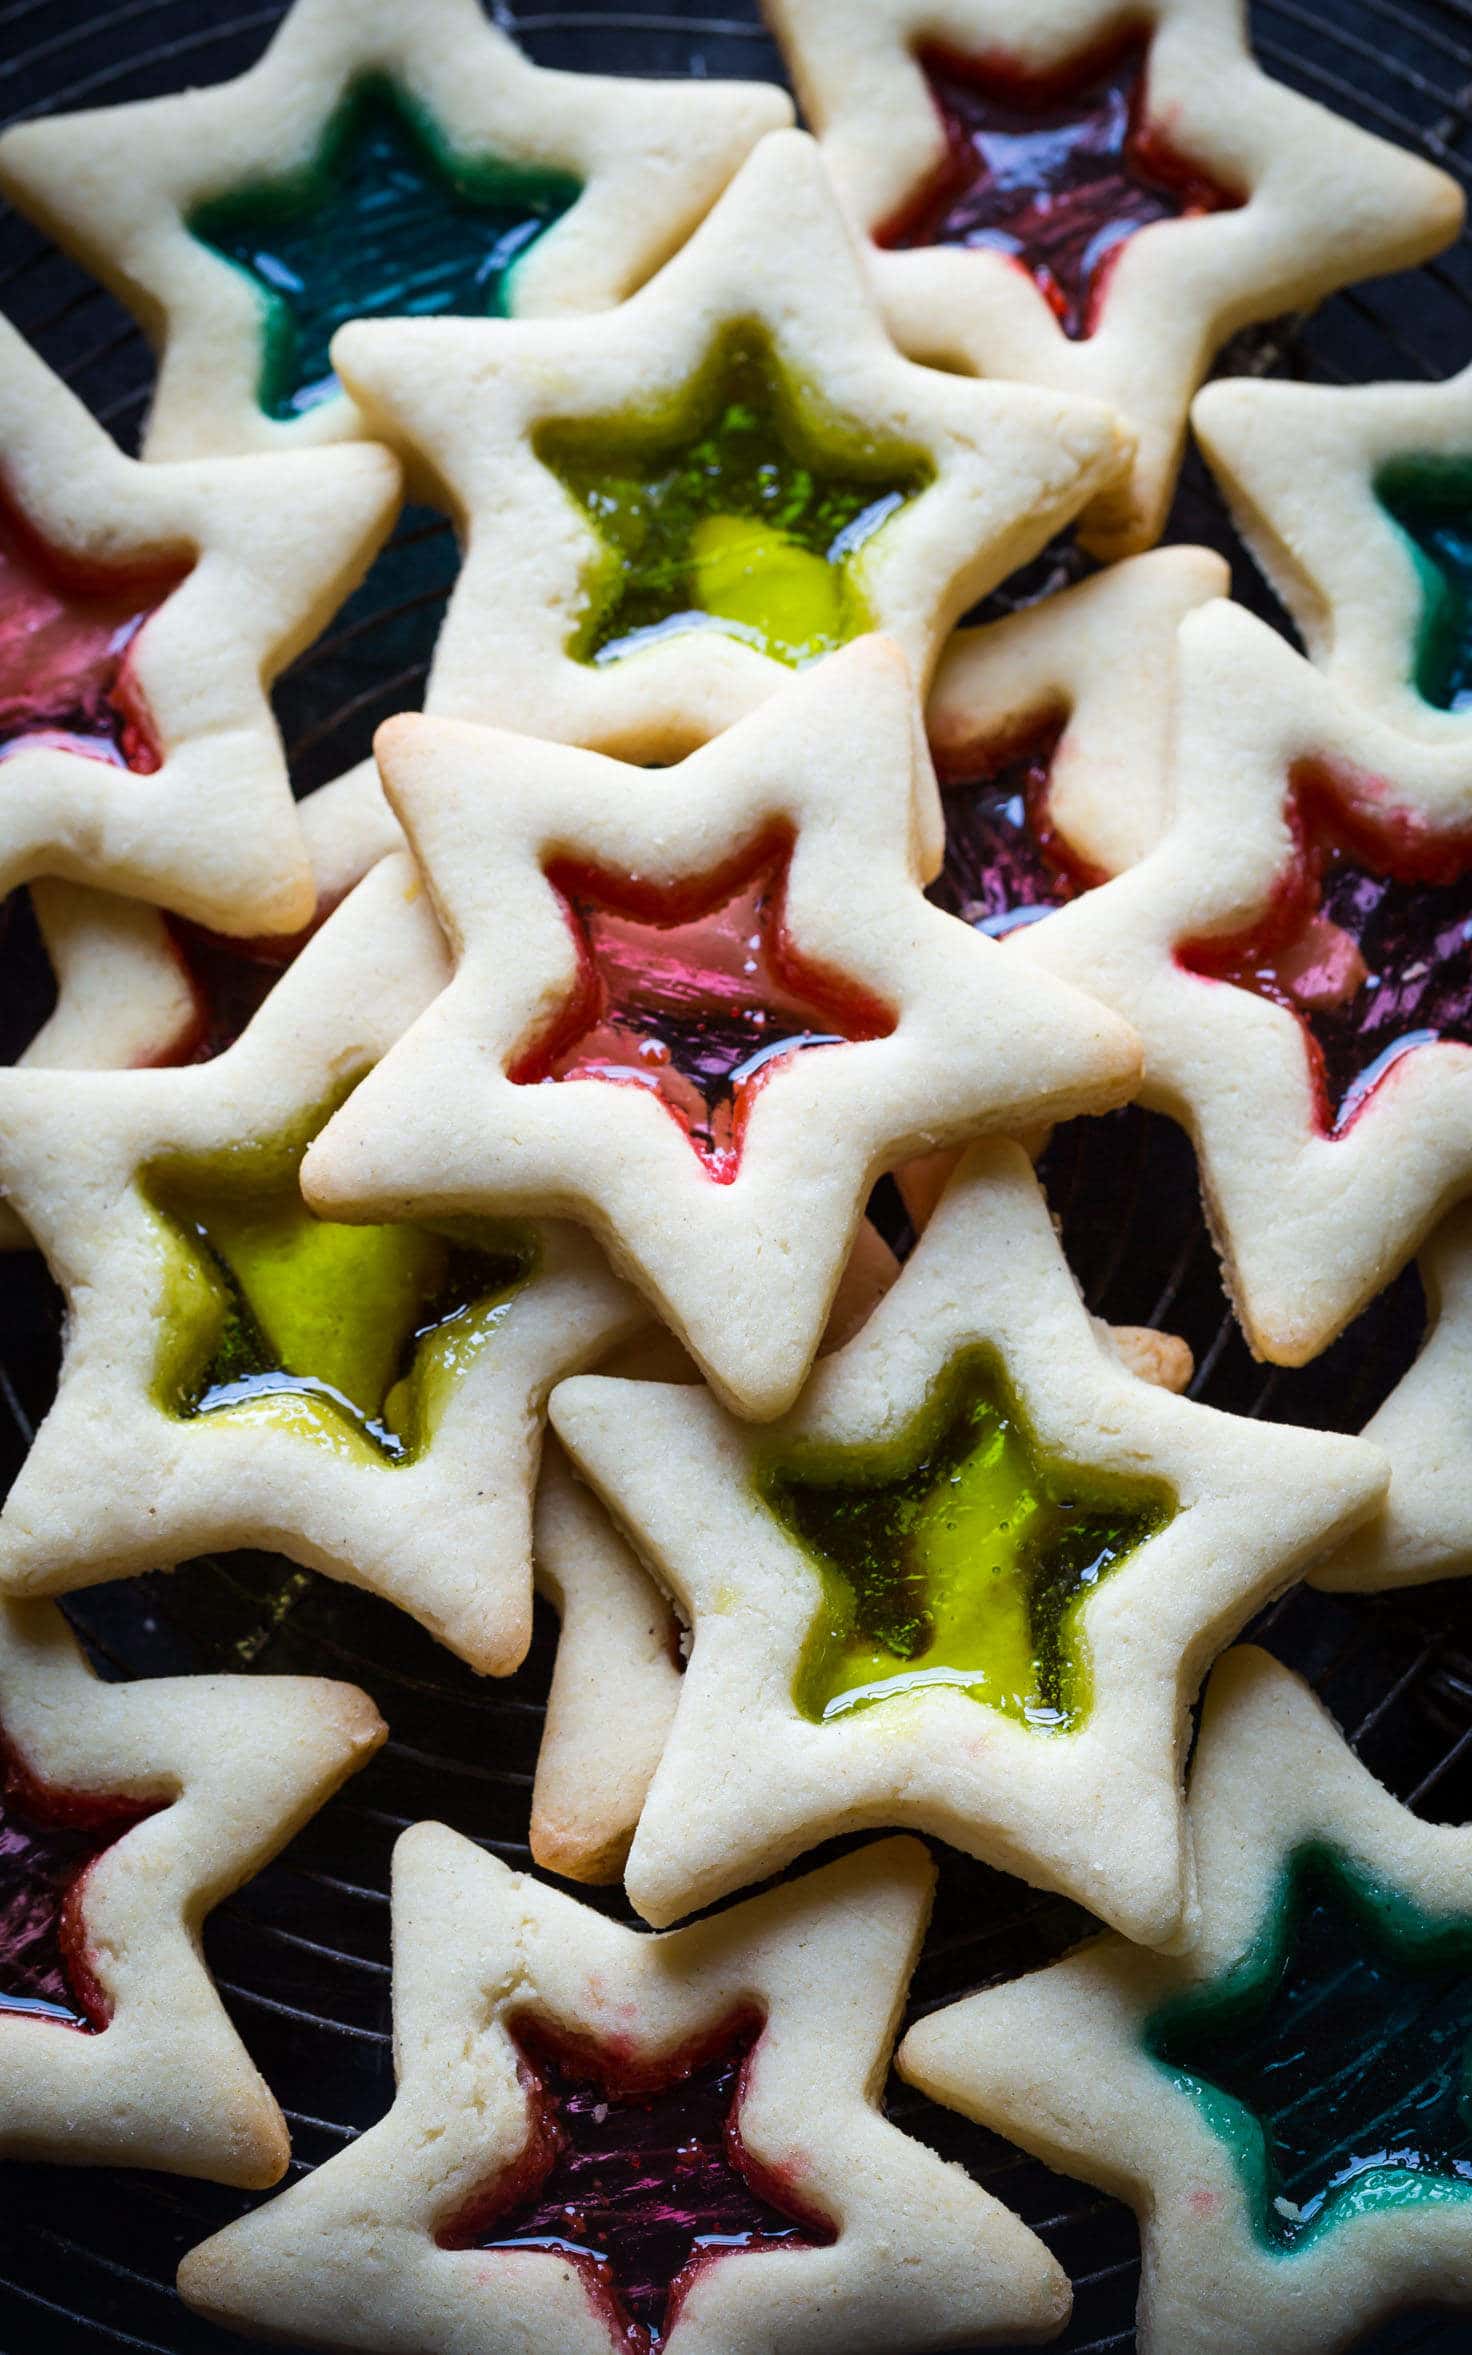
(696, 995)
(230, 980)
(49, 1841)
(1368, 943)
(1057, 173)
(67, 635)
(1005, 864)
(639, 2176)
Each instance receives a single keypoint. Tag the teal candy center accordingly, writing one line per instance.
(1431, 500)
(1332, 2059)
(388, 220)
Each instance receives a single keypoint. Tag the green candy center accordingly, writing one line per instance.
(956, 1554)
(352, 1335)
(745, 511)
(387, 220)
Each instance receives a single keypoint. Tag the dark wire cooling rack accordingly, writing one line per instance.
(87, 2257)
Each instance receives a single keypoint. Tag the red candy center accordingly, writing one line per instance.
(67, 634)
(639, 2175)
(1368, 941)
(695, 994)
(229, 980)
(1058, 173)
(1005, 863)
(49, 1841)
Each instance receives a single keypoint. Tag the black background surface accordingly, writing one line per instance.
(87, 2257)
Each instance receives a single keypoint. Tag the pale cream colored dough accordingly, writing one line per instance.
(1099, 661)
(241, 1763)
(1425, 1427)
(1327, 204)
(1299, 465)
(118, 185)
(124, 998)
(744, 1272)
(117, 1483)
(274, 546)
(1309, 1225)
(747, 1781)
(1011, 464)
(1057, 2062)
(923, 2257)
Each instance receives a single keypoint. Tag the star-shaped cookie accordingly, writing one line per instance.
(1295, 957)
(701, 1010)
(601, 2139)
(1425, 1530)
(238, 1373)
(667, 506)
(969, 1584)
(126, 1812)
(382, 157)
(1051, 192)
(146, 610)
(1356, 501)
(1281, 2102)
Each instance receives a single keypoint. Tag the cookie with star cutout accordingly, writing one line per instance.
(236, 1372)
(1055, 193)
(969, 1585)
(1295, 957)
(701, 1010)
(1356, 501)
(146, 611)
(668, 507)
(549, 2062)
(1280, 2102)
(127, 1811)
(382, 158)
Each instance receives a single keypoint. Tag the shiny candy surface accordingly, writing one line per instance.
(66, 636)
(747, 514)
(1368, 944)
(957, 1555)
(1431, 500)
(1056, 174)
(1333, 2059)
(697, 996)
(353, 1336)
(1005, 865)
(388, 220)
(49, 1841)
(641, 2179)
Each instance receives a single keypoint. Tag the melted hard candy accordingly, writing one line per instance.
(643, 2181)
(1431, 500)
(1005, 866)
(49, 1841)
(388, 220)
(744, 518)
(1332, 2060)
(66, 637)
(1368, 944)
(353, 1335)
(699, 998)
(1056, 174)
(956, 1554)
(230, 980)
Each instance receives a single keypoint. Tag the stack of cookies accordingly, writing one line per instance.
(460, 1178)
